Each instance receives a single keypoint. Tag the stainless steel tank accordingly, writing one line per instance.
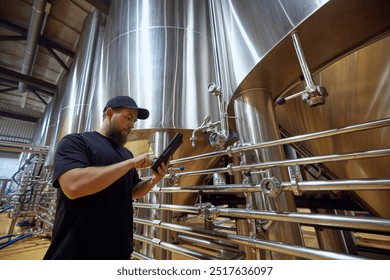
(73, 103)
(159, 53)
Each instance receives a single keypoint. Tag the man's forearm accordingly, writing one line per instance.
(143, 187)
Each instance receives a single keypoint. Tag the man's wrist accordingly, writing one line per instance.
(132, 164)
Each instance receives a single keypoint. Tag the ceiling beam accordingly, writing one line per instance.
(13, 38)
(8, 89)
(41, 41)
(14, 116)
(11, 83)
(36, 83)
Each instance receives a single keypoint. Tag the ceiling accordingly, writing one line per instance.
(38, 40)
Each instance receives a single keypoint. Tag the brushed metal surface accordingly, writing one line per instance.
(359, 89)
(159, 53)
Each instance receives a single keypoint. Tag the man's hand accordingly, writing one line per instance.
(144, 160)
(162, 170)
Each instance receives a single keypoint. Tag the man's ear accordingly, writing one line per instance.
(109, 113)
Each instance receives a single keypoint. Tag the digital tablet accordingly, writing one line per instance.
(173, 145)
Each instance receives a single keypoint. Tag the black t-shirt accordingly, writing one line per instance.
(97, 226)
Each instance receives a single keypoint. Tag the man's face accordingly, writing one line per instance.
(121, 123)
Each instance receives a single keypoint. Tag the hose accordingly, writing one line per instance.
(6, 236)
(2, 246)
(5, 209)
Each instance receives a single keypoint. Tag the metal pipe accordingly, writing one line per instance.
(214, 42)
(140, 256)
(293, 250)
(303, 62)
(170, 207)
(203, 233)
(304, 186)
(362, 223)
(305, 137)
(34, 31)
(302, 252)
(309, 160)
(230, 188)
(374, 224)
(45, 221)
(340, 185)
(174, 248)
(207, 244)
(23, 148)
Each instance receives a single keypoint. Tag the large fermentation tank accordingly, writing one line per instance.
(356, 85)
(159, 53)
(359, 89)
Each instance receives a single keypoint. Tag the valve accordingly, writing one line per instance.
(174, 178)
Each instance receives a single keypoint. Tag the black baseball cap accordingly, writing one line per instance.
(126, 102)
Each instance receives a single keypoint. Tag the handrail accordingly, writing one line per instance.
(304, 137)
(334, 185)
(357, 223)
(285, 163)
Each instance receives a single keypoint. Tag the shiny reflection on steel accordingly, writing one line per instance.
(358, 223)
(303, 186)
(211, 212)
(297, 251)
(140, 256)
(229, 188)
(71, 104)
(49, 223)
(340, 185)
(313, 95)
(305, 137)
(285, 163)
(271, 186)
(182, 208)
(39, 13)
(159, 53)
(206, 243)
(247, 30)
(174, 248)
(157, 143)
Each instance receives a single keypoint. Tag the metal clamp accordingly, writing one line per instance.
(229, 168)
(211, 212)
(295, 178)
(271, 186)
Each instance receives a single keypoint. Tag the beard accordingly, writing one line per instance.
(117, 135)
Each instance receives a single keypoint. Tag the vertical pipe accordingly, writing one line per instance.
(34, 31)
(221, 98)
(310, 86)
(214, 42)
(158, 142)
(256, 123)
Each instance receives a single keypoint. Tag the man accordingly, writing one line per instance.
(97, 179)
